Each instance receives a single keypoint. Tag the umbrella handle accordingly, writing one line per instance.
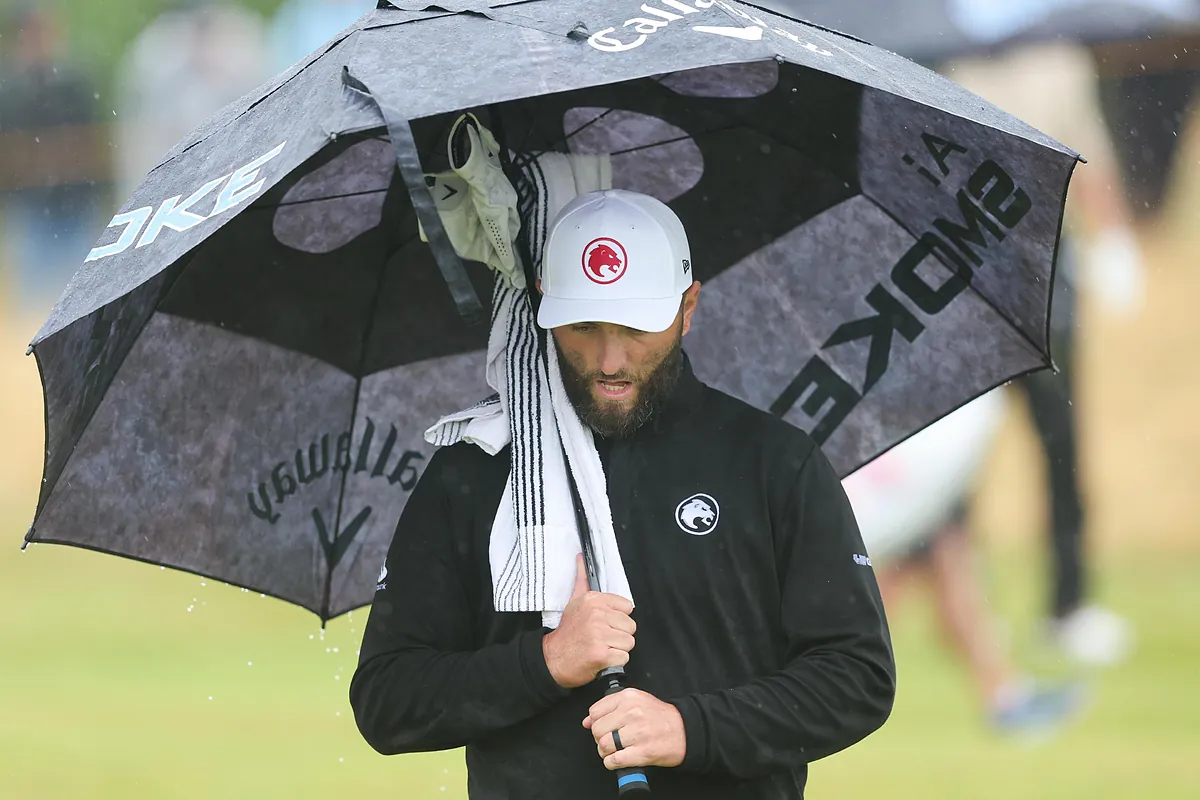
(630, 780)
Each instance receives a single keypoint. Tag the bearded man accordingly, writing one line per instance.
(758, 643)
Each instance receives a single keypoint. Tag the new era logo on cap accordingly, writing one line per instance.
(605, 260)
(618, 257)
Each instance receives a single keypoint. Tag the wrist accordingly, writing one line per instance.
(680, 737)
(548, 656)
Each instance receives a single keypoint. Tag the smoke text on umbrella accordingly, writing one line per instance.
(990, 204)
(240, 185)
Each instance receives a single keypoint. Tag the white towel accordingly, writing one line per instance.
(534, 539)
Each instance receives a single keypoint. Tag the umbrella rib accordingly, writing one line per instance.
(368, 329)
(343, 196)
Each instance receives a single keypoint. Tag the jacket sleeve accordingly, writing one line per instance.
(838, 679)
(420, 685)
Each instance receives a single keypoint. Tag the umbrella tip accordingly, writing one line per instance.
(29, 349)
(28, 538)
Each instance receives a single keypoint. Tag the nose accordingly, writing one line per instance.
(614, 354)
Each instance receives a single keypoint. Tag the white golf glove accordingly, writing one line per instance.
(477, 203)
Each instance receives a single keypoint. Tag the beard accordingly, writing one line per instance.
(612, 420)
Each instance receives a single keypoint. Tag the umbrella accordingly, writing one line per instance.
(238, 378)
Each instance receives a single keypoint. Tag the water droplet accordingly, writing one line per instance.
(326, 649)
(442, 789)
(340, 759)
(210, 697)
(262, 595)
(189, 608)
(310, 636)
(96, 95)
(162, 567)
(335, 649)
(337, 713)
(249, 663)
(337, 677)
(202, 583)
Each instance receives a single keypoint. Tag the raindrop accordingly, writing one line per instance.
(341, 760)
(327, 650)
(249, 663)
(96, 95)
(310, 636)
(262, 595)
(210, 697)
(335, 649)
(162, 567)
(442, 789)
(337, 713)
(114, 112)
(202, 583)
(337, 677)
(189, 608)
(445, 771)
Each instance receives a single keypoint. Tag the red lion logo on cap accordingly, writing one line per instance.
(604, 260)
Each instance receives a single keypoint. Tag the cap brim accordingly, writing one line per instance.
(652, 316)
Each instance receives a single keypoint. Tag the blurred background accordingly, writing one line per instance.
(1071, 555)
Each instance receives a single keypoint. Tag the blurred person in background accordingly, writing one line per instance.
(1053, 87)
(301, 26)
(50, 154)
(185, 66)
(911, 504)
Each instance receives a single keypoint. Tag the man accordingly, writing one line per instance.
(758, 643)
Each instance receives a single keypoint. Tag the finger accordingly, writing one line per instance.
(621, 622)
(617, 657)
(605, 705)
(581, 579)
(617, 603)
(607, 744)
(629, 757)
(617, 640)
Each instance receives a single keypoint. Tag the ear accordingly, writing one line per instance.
(690, 298)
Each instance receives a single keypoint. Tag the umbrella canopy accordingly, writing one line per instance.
(238, 378)
(936, 30)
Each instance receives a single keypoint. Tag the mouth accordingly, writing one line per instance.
(614, 390)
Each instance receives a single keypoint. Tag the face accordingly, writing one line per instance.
(618, 378)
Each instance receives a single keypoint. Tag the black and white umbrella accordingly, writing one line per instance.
(238, 378)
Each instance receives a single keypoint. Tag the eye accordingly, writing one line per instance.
(582, 327)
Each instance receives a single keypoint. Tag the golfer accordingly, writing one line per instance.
(758, 643)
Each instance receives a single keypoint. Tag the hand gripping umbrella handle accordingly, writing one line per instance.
(630, 780)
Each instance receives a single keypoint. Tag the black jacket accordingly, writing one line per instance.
(767, 632)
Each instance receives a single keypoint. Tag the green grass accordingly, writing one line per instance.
(106, 679)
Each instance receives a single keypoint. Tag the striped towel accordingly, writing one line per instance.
(534, 539)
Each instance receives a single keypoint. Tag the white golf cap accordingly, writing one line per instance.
(617, 257)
